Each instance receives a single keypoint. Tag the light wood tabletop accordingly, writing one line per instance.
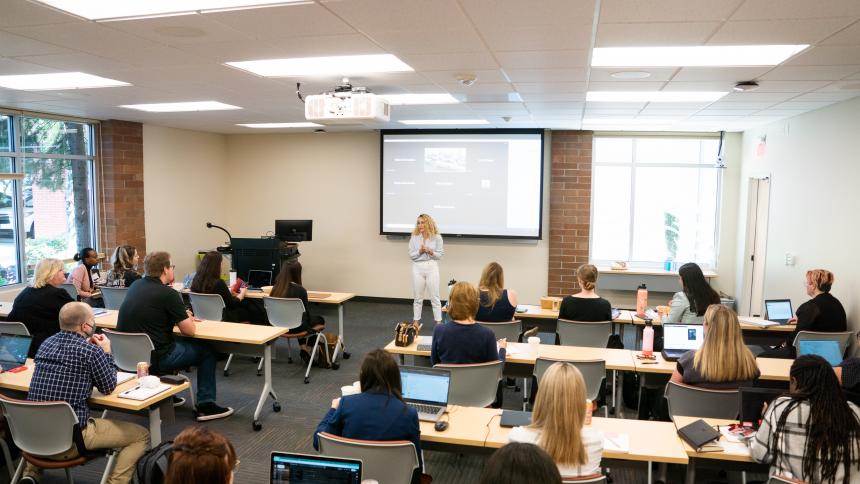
(771, 368)
(20, 381)
(479, 427)
(734, 451)
(321, 297)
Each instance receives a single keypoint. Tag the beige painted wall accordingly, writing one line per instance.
(812, 160)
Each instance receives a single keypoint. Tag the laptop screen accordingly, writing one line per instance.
(752, 400)
(827, 349)
(425, 385)
(683, 336)
(259, 279)
(318, 469)
(13, 349)
(778, 310)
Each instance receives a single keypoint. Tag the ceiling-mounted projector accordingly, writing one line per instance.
(346, 105)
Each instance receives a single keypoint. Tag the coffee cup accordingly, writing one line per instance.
(149, 381)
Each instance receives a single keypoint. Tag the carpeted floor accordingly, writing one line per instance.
(367, 326)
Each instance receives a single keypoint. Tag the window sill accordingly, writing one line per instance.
(647, 272)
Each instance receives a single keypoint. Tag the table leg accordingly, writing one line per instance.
(649, 481)
(155, 425)
(526, 392)
(691, 472)
(614, 396)
(268, 390)
(339, 346)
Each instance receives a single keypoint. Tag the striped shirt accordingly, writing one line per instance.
(592, 439)
(793, 443)
(68, 366)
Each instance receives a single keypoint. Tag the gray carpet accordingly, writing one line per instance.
(367, 326)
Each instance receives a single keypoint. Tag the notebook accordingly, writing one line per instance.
(290, 468)
(123, 376)
(425, 343)
(827, 349)
(698, 434)
(13, 350)
(681, 338)
(140, 393)
(778, 310)
(425, 390)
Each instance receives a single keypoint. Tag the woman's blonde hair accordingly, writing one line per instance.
(586, 274)
(45, 270)
(492, 282)
(559, 414)
(429, 225)
(463, 301)
(822, 279)
(723, 356)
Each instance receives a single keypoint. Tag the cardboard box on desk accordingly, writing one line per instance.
(550, 302)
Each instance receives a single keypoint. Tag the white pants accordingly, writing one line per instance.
(425, 278)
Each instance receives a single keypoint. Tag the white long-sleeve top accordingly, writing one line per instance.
(433, 243)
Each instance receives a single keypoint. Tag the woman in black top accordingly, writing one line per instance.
(497, 303)
(38, 306)
(208, 280)
(585, 305)
(124, 269)
(289, 284)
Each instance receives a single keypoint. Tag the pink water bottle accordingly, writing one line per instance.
(641, 299)
(648, 339)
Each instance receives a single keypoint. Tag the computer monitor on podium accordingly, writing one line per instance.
(294, 230)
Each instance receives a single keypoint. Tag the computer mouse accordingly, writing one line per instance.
(441, 426)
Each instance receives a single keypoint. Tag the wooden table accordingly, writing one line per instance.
(236, 338)
(776, 369)
(478, 428)
(734, 454)
(20, 382)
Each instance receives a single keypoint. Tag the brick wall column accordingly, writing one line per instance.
(569, 207)
(120, 194)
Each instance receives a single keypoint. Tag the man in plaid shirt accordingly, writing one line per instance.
(68, 365)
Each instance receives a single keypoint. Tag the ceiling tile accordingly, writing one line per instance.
(757, 96)
(546, 75)
(805, 31)
(538, 15)
(465, 61)
(554, 107)
(834, 55)
(375, 16)
(512, 39)
(479, 88)
(625, 86)
(727, 112)
(22, 13)
(284, 21)
(324, 45)
(179, 30)
(849, 85)
(601, 74)
(809, 73)
(550, 87)
(428, 42)
(12, 45)
(741, 105)
(790, 86)
(719, 73)
(653, 33)
(553, 97)
(827, 96)
(807, 105)
(77, 62)
(501, 109)
(849, 36)
(13, 67)
(720, 86)
(547, 59)
(483, 76)
(665, 10)
(796, 9)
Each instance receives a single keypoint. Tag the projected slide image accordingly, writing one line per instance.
(444, 160)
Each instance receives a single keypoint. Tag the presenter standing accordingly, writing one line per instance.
(425, 249)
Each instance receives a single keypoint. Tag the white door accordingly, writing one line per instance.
(758, 205)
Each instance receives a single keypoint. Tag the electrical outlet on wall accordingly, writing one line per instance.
(789, 259)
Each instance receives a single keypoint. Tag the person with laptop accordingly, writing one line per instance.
(723, 361)
(378, 412)
(585, 305)
(558, 423)
(688, 305)
(38, 305)
(289, 284)
(463, 341)
(498, 304)
(207, 280)
(201, 456)
(153, 307)
(68, 365)
(813, 433)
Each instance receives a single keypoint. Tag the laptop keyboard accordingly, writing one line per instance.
(423, 408)
(425, 347)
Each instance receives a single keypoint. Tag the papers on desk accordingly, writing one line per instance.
(100, 312)
(615, 442)
(123, 376)
(140, 393)
(764, 323)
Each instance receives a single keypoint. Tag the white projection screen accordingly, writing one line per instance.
(474, 183)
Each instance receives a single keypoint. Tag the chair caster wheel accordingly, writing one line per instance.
(276, 407)
(259, 373)
(307, 380)
(226, 372)
(335, 366)
(257, 425)
(346, 355)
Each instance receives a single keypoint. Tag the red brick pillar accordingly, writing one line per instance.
(121, 186)
(569, 207)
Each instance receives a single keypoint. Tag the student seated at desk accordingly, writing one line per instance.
(68, 365)
(82, 277)
(38, 305)
(498, 304)
(289, 284)
(461, 340)
(153, 307)
(207, 280)
(558, 423)
(723, 362)
(688, 306)
(201, 456)
(123, 270)
(518, 463)
(585, 305)
(378, 412)
(813, 434)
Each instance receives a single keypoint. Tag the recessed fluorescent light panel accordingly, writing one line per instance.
(434, 122)
(324, 66)
(181, 107)
(694, 56)
(402, 99)
(653, 96)
(103, 10)
(280, 125)
(60, 80)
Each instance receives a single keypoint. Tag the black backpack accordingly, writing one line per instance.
(152, 467)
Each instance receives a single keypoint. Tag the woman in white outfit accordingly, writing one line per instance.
(425, 249)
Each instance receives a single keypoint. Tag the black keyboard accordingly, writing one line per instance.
(424, 347)
(422, 408)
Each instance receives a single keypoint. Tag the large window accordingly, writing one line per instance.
(655, 199)
(46, 192)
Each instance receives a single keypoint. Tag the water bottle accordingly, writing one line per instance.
(648, 339)
(641, 299)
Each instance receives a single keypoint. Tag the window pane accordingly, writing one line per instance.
(709, 151)
(667, 150)
(6, 165)
(9, 261)
(55, 137)
(613, 150)
(57, 207)
(611, 217)
(677, 223)
(5, 133)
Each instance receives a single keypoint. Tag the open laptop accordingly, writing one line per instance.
(257, 279)
(290, 468)
(681, 338)
(425, 390)
(13, 350)
(827, 349)
(751, 401)
(778, 310)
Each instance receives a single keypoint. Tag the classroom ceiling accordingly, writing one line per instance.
(539, 50)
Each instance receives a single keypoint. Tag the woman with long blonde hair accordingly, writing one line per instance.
(558, 422)
(497, 303)
(425, 250)
(38, 305)
(723, 361)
